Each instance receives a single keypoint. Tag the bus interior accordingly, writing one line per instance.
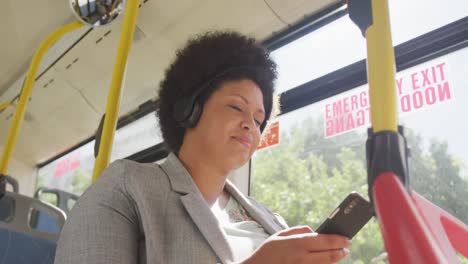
(311, 155)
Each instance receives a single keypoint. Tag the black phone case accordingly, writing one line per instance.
(349, 217)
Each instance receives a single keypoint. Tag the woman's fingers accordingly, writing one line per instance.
(295, 231)
(314, 242)
(329, 256)
(301, 245)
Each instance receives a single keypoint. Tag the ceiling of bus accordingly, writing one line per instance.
(69, 98)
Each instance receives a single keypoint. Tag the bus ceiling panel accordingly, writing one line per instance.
(5, 120)
(96, 94)
(292, 11)
(145, 70)
(72, 121)
(13, 90)
(73, 118)
(101, 45)
(246, 16)
(77, 67)
(14, 59)
(132, 99)
(49, 93)
(32, 20)
(92, 58)
(156, 16)
(135, 92)
(29, 142)
(24, 25)
(88, 67)
(92, 73)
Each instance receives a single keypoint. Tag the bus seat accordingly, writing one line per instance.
(63, 197)
(20, 240)
(43, 221)
(13, 182)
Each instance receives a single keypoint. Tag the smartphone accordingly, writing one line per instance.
(349, 217)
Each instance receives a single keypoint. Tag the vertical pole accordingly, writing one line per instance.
(381, 70)
(113, 99)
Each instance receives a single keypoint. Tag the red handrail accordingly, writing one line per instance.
(414, 230)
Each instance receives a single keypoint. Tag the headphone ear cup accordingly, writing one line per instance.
(187, 112)
(195, 115)
(183, 110)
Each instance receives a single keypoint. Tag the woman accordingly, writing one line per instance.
(215, 101)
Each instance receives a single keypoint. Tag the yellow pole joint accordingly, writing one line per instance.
(4, 106)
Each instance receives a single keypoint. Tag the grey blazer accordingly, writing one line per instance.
(146, 213)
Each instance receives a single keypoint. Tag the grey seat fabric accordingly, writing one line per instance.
(45, 223)
(18, 248)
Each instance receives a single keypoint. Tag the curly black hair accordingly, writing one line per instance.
(206, 62)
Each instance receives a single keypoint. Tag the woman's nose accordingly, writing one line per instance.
(248, 123)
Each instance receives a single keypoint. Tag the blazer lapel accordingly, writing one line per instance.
(208, 226)
(196, 207)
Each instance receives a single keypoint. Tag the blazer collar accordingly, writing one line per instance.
(179, 177)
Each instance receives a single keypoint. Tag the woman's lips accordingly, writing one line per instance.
(244, 141)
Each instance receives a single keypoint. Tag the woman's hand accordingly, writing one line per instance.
(300, 244)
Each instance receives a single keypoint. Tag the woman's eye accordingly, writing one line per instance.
(258, 122)
(236, 108)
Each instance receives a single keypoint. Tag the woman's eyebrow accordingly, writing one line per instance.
(247, 102)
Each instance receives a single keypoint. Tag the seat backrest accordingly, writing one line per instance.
(63, 197)
(21, 238)
(13, 182)
(18, 213)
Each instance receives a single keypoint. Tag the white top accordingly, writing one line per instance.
(244, 234)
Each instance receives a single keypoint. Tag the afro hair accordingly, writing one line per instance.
(202, 66)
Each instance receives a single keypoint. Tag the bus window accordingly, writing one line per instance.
(72, 172)
(320, 157)
(49, 197)
(340, 43)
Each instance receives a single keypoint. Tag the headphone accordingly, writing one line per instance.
(188, 110)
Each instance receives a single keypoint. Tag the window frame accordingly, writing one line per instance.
(433, 44)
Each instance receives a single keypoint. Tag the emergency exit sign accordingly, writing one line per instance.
(270, 136)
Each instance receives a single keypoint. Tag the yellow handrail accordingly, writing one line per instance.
(4, 105)
(27, 89)
(113, 99)
(381, 70)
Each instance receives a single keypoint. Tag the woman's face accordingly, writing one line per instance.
(228, 131)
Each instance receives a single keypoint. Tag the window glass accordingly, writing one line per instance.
(340, 43)
(73, 172)
(320, 157)
(49, 197)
